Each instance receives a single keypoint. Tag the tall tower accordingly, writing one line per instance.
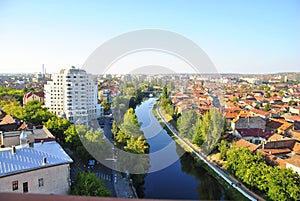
(72, 94)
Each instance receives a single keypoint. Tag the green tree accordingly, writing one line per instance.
(71, 137)
(223, 147)
(87, 184)
(186, 122)
(267, 107)
(57, 126)
(6, 92)
(13, 107)
(138, 145)
(120, 106)
(164, 94)
(130, 124)
(209, 129)
(276, 183)
(106, 105)
(35, 114)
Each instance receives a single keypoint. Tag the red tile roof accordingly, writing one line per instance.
(254, 132)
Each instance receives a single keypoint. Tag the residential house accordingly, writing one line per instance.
(279, 125)
(37, 134)
(30, 96)
(246, 120)
(253, 135)
(10, 123)
(42, 168)
(260, 113)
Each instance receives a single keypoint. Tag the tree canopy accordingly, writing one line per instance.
(208, 130)
(186, 124)
(87, 184)
(276, 183)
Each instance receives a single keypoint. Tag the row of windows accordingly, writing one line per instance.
(77, 108)
(60, 82)
(57, 101)
(68, 76)
(15, 185)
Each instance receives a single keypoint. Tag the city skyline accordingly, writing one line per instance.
(239, 37)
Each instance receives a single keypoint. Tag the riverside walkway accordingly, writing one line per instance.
(229, 179)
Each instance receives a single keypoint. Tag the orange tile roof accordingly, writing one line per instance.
(277, 151)
(276, 137)
(260, 112)
(294, 160)
(7, 120)
(292, 117)
(273, 159)
(231, 115)
(245, 143)
(23, 126)
(285, 126)
(296, 147)
(244, 113)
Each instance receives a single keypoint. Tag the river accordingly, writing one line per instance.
(182, 178)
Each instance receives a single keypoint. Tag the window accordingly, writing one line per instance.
(25, 187)
(41, 182)
(15, 185)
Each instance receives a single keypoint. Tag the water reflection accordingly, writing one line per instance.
(184, 179)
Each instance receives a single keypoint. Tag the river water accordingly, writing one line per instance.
(173, 175)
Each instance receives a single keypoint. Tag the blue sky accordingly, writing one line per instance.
(238, 36)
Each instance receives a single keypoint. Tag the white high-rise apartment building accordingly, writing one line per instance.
(73, 94)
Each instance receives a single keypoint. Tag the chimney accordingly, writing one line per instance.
(263, 145)
(44, 160)
(31, 144)
(13, 150)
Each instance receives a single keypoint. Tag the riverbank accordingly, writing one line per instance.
(236, 190)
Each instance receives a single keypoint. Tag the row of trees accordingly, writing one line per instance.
(130, 138)
(274, 182)
(128, 135)
(204, 131)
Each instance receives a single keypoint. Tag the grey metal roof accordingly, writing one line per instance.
(30, 158)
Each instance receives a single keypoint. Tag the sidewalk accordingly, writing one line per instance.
(123, 187)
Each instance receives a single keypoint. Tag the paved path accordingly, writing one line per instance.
(123, 188)
(229, 179)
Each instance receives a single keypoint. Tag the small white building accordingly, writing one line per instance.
(42, 168)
